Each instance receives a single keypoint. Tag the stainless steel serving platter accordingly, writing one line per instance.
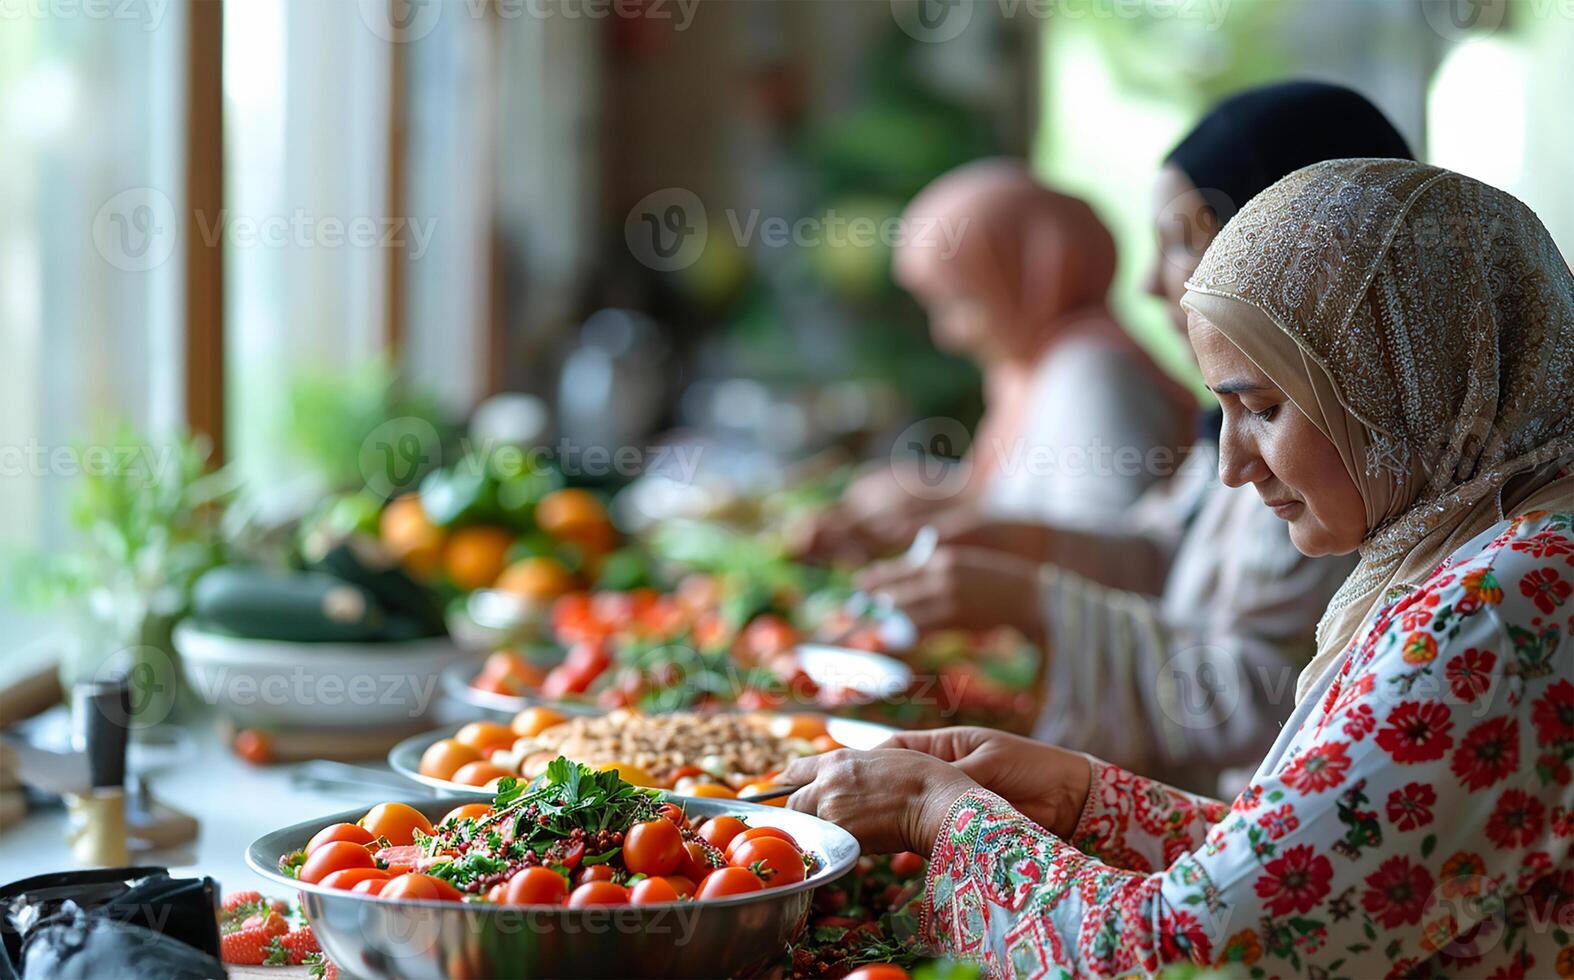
(405, 758)
(426, 940)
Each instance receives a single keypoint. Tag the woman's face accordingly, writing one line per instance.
(1185, 226)
(1268, 442)
(959, 323)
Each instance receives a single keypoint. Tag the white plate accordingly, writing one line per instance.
(319, 685)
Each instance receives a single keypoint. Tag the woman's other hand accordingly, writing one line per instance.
(962, 588)
(1048, 785)
(890, 799)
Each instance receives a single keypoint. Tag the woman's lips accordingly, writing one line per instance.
(1285, 510)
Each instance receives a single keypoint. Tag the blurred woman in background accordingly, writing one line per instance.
(1187, 617)
(1014, 276)
(1393, 345)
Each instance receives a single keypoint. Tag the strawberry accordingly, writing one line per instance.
(234, 900)
(247, 947)
(322, 967)
(293, 947)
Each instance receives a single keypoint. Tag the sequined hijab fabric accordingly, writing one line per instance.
(1424, 322)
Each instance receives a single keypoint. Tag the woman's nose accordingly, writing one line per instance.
(1239, 461)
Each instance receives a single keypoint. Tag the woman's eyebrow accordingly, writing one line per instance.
(1235, 387)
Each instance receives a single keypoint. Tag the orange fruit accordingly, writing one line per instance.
(533, 721)
(442, 759)
(537, 579)
(577, 516)
(714, 791)
(479, 773)
(806, 727)
(410, 536)
(475, 556)
(483, 735)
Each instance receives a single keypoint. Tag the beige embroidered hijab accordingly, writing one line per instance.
(1424, 322)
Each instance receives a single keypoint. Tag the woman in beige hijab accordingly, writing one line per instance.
(1393, 345)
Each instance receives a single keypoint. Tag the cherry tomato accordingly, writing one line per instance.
(806, 727)
(498, 893)
(370, 886)
(533, 721)
(537, 886)
(419, 886)
(774, 860)
(728, 881)
(482, 735)
(479, 773)
(594, 872)
(652, 891)
(588, 658)
(754, 699)
(598, 893)
(335, 856)
(339, 831)
(878, 971)
(253, 746)
(350, 877)
(674, 813)
(719, 831)
(906, 864)
(683, 886)
(469, 811)
(443, 758)
(562, 681)
(396, 821)
(754, 833)
(696, 861)
(714, 791)
(654, 847)
(566, 854)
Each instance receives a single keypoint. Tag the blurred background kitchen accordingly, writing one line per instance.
(257, 233)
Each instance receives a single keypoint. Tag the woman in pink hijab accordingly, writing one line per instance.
(1078, 419)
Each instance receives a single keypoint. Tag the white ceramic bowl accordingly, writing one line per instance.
(315, 685)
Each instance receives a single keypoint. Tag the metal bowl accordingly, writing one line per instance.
(422, 940)
(868, 676)
(405, 758)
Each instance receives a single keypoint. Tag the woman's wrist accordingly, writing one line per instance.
(938, 803)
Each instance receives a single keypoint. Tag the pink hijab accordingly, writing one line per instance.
(1040, 261)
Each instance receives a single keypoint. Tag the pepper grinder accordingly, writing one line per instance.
(101, 723)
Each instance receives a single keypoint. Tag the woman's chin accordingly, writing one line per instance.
(1314, 540)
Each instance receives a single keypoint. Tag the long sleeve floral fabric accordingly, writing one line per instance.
(1418, 820)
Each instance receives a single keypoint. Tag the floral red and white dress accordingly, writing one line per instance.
(1415, 817)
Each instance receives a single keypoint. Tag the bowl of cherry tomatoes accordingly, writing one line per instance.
(576, 873)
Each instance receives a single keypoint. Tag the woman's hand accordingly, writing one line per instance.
(1048, 785)
(962, 588)
(877, 515)
(890, 799)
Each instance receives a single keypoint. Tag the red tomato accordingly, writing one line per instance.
(589, 659)
(498, 893)
(681, 885)
(253, 746)
(595, 872)
(767, 635)
(419, 886)
(339, 831)
(754, 699)
(753, 833)
(674, 813)
(906, 864)
(566, 854)
(371, 886)
(652, 891)
(536, 886)
(470, 811)
(696, 863)
(654, 848)
(728, 881)
(350, 877)
(562, 681)
(598, 893)
(878, 971)
(396, 821)
(719, 831)
(775, 861)
(335, 856)
(406, 857)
